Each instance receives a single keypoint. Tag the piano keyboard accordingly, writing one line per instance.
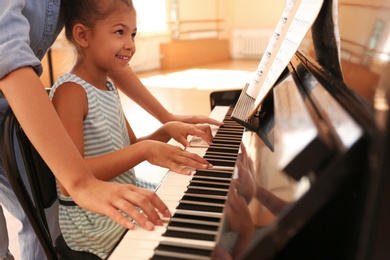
(195, 201)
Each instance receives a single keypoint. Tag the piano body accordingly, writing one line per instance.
(309, 179)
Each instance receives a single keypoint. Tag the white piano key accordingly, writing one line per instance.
(199, 213)
(197, 150)
(219, 112)
(138, 243)
(222, 168)
(181, 255)
(192, 230)
(191, 243)
(170, 190)
(199, 142)
(188, 219)
(176, 179)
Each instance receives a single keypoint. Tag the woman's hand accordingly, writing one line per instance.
(193, 119)
(180, 132)
(173, 157)
(109, 198)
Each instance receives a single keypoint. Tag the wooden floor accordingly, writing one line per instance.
(175, 100)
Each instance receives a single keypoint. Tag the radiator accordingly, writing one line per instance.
(250, 43)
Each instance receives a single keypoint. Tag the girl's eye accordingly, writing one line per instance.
(120, 32)
(133, 35)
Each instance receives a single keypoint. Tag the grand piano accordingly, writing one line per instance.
(307, 177)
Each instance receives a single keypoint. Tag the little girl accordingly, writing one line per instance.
(89, 107)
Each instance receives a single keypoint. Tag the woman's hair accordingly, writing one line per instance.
(88, 12)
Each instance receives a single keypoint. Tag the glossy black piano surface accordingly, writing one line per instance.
(312, 181)
(320, 193)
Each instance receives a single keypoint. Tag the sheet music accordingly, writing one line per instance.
(297, 18)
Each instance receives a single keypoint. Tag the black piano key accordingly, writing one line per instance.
(229, 131)
(206, 193)
(164, 257)
(205, 201)
(229, 126)
(197, 219)
(209, 180)
(231, 143)
(219, 162)
(228, 154)
(188, 235)
(199, 208)
(195, 202)
(212, 178)
(170, 252)
(214, 174)
(221, 149)
(214, 156)
(228, 137)
(231, 148)
(197, 228)
(216, 187)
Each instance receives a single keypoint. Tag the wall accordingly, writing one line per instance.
(255, 13)
(235, 15)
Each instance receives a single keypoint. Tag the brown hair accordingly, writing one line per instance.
(88, 12)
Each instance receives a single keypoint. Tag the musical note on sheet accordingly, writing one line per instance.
(296, 20)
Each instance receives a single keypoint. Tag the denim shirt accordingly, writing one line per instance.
(27, 30)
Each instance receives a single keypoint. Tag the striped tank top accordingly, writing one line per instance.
(104, 132)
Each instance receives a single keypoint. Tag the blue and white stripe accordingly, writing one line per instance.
(104, 132)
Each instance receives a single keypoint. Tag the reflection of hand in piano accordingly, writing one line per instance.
(273, 203)
(236, 211)
(241, 192)
(245, 182)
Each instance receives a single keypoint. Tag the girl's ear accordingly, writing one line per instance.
(81, 35)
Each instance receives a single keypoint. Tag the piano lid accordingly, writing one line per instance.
(343, 67)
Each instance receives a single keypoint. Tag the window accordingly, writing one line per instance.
(151, 15)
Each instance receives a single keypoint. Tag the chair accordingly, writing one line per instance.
(42, 184)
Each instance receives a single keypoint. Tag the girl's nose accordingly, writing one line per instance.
(130, 44)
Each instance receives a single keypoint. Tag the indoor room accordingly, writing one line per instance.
(320, 132)
(186, 49)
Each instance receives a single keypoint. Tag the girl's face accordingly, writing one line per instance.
(111, 43)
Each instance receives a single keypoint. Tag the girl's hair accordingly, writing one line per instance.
(88, 12)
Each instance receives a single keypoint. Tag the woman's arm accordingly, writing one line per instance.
(129, 83)
(31, 105)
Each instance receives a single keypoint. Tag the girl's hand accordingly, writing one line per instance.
(180, 132)
(173, 157)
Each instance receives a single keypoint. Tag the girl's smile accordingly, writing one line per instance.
(123, 58)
